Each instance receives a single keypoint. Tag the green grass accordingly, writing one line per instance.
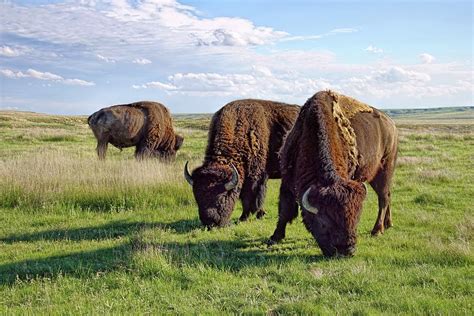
(82, 236)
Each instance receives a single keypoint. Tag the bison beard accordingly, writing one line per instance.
(320, 173)
(245, 137)
(145, 125)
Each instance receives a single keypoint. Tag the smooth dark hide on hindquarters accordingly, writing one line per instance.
(145, 125)
(246, 135)
(337, 143)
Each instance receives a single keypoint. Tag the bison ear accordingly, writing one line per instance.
(178, 142)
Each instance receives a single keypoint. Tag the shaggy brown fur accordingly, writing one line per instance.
(145, 125)
(249, 135)
(316, 155)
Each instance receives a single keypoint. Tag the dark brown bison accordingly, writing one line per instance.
(145, 125)
(245, 138)
(336, 145)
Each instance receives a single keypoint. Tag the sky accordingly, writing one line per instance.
(75, 57)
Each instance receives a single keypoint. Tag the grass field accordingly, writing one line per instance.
(82, 236)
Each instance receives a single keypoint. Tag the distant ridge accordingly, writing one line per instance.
(428, 111)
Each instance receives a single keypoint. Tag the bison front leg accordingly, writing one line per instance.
(253, 196)
(287, 212)
(101, 149)
(142, 151)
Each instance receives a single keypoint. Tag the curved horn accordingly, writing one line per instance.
(306, 205)
(235, 179)
(365, 187)
(187, 176)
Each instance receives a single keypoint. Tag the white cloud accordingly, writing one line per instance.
(121, 25)
(398, 83)
(382, 84)
(106, 59)
(398, 74)
(47, 76)
(78, 82)
(12, 74)
(263, 71)
(261, 83)
(156, 84)
(141, 61)
(43, 75)
(10, 51)
(427, 58)
(373, 49)
(318, 36)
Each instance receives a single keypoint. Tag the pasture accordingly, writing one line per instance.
(82, 236)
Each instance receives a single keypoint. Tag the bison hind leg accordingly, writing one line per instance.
(101, 148)
(381, 185)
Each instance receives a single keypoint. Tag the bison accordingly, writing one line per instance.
(245, 137)
(145, 125)
(336, 145)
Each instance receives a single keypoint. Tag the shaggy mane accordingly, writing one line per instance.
(343, 109)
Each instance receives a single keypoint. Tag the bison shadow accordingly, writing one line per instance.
(110, 230)
(80, 264)
(231, 255)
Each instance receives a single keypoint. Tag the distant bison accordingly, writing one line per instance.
(145, 125)
(337, 143)
(245, 137)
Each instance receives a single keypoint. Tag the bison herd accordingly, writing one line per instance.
(324, 152)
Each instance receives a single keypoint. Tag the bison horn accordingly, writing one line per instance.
(235, 179)
(187, 175)
(305, 203)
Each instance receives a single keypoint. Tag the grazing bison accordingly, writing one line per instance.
(336, 145)
(245, 138)
(145, 125)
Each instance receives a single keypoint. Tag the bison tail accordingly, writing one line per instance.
(92, 120)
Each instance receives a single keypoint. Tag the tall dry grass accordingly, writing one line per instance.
(62, 179)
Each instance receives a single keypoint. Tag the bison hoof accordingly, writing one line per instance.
(260, 214)
(376, 232)
(270, 242)
(243, 218)
(388, 224)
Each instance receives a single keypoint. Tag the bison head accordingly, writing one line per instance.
(215, 189)
(331, 214)
(168, 153)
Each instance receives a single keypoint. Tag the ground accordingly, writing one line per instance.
(82, 236)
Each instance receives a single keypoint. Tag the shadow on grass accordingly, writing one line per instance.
(230, 255)
(108, 231)
(81, 264)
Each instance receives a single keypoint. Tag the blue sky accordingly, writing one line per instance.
(74, 57)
